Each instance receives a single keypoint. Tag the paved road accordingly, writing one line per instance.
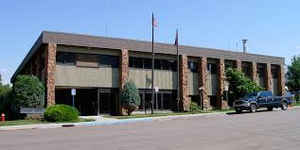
(258, 131)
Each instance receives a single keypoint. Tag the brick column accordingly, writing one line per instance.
(123, 75)
(254, 72)
(222, 103)
(202, 73)
(268, 77)
(50, 65)
(239, 65)
(281, 80)
(183, 79)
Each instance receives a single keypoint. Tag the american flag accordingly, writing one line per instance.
(154, 22)
(176, 39)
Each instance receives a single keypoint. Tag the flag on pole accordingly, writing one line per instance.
(176, 39)
(154, 22)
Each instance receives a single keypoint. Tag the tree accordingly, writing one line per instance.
(239, 84)
(0, 79)
(29, 91)
(293, 74)
(130, 99)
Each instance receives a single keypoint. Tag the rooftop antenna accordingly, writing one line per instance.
(244, 45)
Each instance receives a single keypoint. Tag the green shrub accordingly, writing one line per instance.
(29, 91)
(61, 113)
(195, 107)
(130, 98)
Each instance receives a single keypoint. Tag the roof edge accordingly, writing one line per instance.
(149, 42)
(31, 52)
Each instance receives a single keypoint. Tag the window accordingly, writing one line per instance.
(193, 66)
(146, 63)
(275, 72)
(212, 68)
(108, 61)
(65, 58)
(261, 71)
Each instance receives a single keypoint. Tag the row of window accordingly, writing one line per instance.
(146, 63)
(101, 60)
(134, 62)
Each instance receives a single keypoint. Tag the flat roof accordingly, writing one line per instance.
(81, 40)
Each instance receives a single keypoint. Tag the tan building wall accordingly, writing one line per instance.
(164, 79)
(72, 76)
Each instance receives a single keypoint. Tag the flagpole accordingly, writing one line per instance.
(178, 86)
(152, 87)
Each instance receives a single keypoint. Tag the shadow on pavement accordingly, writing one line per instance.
(245, 112)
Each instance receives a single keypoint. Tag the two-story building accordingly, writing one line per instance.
(98, 67)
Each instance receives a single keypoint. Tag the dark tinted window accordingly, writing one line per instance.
(147, 63)
(193, 66)
(212, 68)
(266, 93)
(65, 58)
(108, 61)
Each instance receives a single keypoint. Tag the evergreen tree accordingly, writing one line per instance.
(293, 74)
(130, 98)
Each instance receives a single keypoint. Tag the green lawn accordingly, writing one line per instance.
(297, 103)
(165, 114)
(27, 122)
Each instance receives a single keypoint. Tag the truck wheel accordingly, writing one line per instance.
(270, 108)
(238, 110)
(253, 108)
(284, 106)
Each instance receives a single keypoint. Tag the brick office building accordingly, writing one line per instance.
(99, 66)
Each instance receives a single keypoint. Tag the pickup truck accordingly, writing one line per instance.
(263, 99)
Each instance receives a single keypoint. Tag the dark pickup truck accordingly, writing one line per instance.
(261, 99)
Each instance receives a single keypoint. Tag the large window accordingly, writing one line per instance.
(146, 63)
(109, 61)
(87, 60)
(65, 58)
(193, 66)
(213, 68)
(261, 70)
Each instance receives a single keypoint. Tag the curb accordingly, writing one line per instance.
(148, 119)
(113, 122)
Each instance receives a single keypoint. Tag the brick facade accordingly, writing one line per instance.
(221, 102)
(183, 78)
(202, 68)
(254, 71)
(50, 63)
(239, 65)
(281, 81)
(268, 77)
(123, 75)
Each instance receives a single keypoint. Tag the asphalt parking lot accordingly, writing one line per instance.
(248, 131)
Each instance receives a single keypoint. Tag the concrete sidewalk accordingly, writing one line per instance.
(101, 121)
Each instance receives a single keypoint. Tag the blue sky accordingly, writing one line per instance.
(272, 27)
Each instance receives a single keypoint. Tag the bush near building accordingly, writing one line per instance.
(8, 105)
(29, 91)
(61, 113)
(239, 84)
(130, 98)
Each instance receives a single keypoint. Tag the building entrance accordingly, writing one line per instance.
(90, 102)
